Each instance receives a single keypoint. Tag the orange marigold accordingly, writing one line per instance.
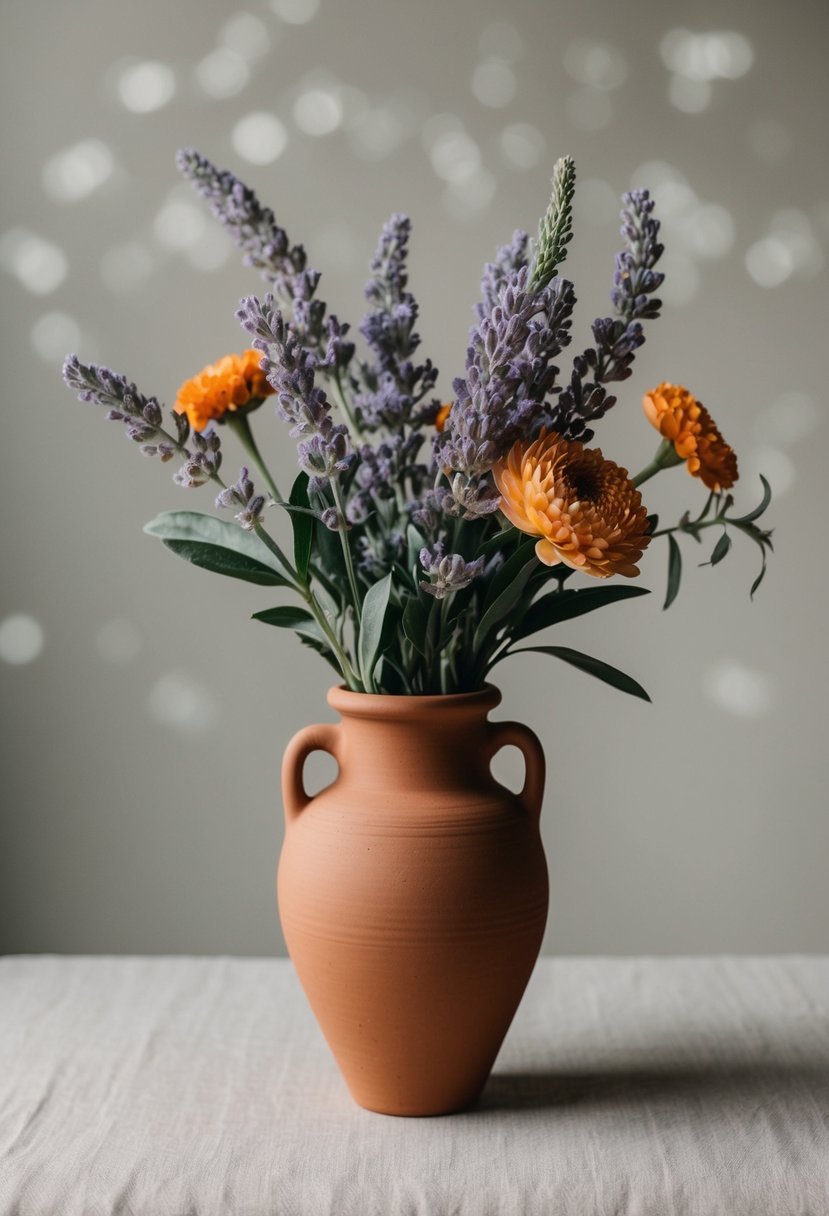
(586, 511)
(232, 382)
(441, 416)
(686, 423)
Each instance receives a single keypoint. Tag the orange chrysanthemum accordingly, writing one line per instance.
(586, 511)
(227, 385)
(686, 423)
(441, 416)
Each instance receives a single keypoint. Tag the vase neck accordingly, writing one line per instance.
(414, 741)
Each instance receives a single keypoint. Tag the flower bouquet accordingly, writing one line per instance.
(429, 540)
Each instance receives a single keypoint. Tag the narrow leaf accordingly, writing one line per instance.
(285, 616)
(500, 608)
(758, 511)
(674, 571)
(415, 619)
(594, 667)
(758, 579)
(226, 561)
(302, 524)
(371, 628)
(720, 550)
(559, 606)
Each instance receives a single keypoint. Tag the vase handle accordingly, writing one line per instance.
(320, 738)
(515, 734)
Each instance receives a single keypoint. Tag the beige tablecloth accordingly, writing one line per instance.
(202, 1087)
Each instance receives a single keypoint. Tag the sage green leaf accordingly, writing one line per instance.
(373, 616)
(559, 606)
(594, 667)
(758, 511)
(226, 561)
(218, 533)
(302, 524)
(674, 571)
(415, 621)
(415, 541)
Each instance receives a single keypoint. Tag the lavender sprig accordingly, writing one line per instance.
(326, 449)
(267, 248)
(616, 340)
(447, 572)
(243, 494)
(394, 384)
(509, 371)
(142, 418)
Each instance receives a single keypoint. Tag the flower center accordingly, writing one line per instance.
(585, 482)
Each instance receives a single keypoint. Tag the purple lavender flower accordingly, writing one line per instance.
(243, 494)
(616, 339)
(447, 572)
(508, 259)
(325, 449)
(201, 465)
(142, 418)
(393, 385)
(266, 248)
(509, 371)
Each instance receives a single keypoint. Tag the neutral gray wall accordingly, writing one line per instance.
(141, 744)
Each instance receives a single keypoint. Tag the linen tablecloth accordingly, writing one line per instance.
(202, 1087)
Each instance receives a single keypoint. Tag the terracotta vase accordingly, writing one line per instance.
(413, 893)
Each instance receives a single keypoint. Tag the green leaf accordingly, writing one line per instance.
(218, 533)
(674, 571)
(286, 617)
(758, 579)
(302, 524)
(500, 607)
(304, 626)
(415, 620)
(758, 511)
(719, 551)
(373, 616)
(559, 606)
(594, 667)
(225, 561)
(415, 542)
(511, 567)
(321, 648)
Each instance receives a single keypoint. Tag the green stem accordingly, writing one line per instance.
(240, 425)
(342, 398)
(666, 458)
(697, 527)
(349, 561)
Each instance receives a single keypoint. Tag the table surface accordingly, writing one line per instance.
(201, 1086)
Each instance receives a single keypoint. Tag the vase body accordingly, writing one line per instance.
(413, 893)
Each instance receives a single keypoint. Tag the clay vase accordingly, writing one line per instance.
(413, 893)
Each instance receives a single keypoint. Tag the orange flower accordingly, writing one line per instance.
(686, 423)
(232, 382)
(441, 416)
(584, 508)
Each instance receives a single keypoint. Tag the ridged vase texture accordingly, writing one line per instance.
(413, 893)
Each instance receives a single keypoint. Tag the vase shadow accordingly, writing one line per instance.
(704, 1081)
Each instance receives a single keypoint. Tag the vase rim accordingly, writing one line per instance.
(404, 705)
